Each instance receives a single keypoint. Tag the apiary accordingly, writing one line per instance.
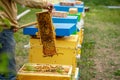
(55, 45)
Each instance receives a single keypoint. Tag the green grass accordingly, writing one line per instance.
(117, 73)
(102, 2)
(101, 51)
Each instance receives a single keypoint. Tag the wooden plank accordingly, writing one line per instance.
(27, 25)
(47, 34)
(73, 10)
(63, 3)
(61, 14)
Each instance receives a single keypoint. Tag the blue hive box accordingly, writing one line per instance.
(58, 7)
(61, 29)
(68, 19)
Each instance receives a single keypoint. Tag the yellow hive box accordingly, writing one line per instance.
(60, 41)
(35, 42)
(66, 52)
(67, 41)
(26, 73)
(66, 56)
(81, 35)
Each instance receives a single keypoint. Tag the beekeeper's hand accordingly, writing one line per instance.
(49, 6)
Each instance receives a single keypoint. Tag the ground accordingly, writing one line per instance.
(101, 47)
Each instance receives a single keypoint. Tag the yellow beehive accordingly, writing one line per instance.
(66, 56)
(33, 74)
(35, 42)
(81, 35)
(66, 52)
(67, 41)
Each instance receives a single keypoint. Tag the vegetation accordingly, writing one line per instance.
(102, 2)
(101, 49)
